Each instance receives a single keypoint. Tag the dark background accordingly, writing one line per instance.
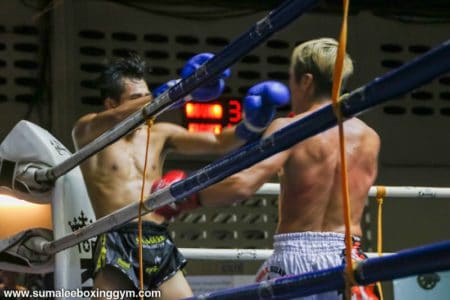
(51, 52)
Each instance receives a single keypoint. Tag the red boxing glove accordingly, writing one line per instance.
(173, 209)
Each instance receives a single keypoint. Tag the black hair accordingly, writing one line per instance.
(110, 82)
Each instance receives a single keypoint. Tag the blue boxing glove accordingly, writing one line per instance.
(214, 87)
(260, 106)
(210, 91)
(164, 87)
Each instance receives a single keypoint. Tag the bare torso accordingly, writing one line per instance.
(310, 196)
(114, 176)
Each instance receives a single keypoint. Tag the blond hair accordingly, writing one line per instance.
(317, 57)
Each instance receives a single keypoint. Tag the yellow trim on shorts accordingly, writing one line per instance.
(101, 261)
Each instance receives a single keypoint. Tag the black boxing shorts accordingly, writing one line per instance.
(119, 249)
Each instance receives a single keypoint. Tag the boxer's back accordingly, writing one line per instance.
(310, 199)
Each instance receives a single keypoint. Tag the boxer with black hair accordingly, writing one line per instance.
(114, 175)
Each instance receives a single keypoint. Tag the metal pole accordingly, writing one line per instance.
(391, 191)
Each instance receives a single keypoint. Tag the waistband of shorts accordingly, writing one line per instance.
(146, 225)
(310, 241)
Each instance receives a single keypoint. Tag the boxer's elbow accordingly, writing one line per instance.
(233, 189)
(241, 187)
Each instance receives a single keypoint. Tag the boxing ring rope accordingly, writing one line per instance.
(258, 33)
(425, 259)
(273, 189)
(225, 254)
(396, 82)
(235, 254)
(391, 191)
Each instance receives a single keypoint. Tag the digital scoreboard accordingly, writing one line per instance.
(211, 116)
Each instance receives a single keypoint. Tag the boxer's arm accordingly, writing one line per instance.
(90, 126)
(242, 185)
(182, 141)
(259, 109)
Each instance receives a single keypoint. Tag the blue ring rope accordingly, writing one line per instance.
(274, 21)
(277, 19)
(431, 258)
(417, 72)
(425, 259)
(381, 89)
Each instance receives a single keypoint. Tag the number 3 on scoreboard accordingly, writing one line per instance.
(234, 111)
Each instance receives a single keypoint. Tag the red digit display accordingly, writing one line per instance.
(212, 116)
(203, 111)
(201, 127)
(234, 111)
